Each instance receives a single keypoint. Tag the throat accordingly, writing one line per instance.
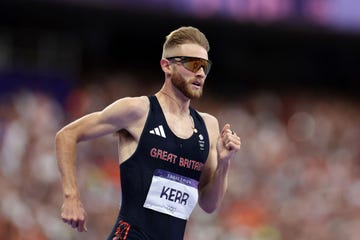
(179, 122)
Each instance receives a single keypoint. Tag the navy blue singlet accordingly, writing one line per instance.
(159, 153)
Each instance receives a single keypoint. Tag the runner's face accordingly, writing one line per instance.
(191, 88)
(188, 82)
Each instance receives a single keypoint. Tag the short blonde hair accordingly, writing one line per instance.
(185, 35)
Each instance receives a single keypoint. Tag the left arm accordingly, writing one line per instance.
(214, 178)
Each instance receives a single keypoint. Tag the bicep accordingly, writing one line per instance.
(90, 126)
(114, 117)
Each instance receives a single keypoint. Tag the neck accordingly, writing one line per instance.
(179, 104)
(181, 107)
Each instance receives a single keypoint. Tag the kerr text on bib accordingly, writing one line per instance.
(172, 194)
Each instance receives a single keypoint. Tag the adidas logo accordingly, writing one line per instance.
(159, 131)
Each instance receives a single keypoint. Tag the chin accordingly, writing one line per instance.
(194, 94)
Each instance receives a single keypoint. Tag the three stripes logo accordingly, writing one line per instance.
(159, 131)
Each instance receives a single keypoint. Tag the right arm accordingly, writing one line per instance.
(119, 115)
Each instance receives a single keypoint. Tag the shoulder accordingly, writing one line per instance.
(130, 105)
(127, 109)
(211, 122)
(132, 100)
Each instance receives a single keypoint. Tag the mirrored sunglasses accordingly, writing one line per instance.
(192, 64)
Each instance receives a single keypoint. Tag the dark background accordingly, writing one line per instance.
(282, 55)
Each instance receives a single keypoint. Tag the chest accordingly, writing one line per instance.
(182, 127)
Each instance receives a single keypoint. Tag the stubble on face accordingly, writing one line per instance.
(185, 86)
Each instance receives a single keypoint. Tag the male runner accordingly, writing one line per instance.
(171, 156)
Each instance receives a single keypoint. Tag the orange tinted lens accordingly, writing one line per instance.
(195, 65)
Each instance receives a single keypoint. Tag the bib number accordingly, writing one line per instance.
(172, 194)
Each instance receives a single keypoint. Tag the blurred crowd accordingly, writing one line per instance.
(297, 175)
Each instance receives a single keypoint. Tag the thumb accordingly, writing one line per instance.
(225, 128)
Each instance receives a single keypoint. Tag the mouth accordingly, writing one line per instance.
(197, 83)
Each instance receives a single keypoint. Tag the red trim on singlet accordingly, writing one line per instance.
(122, 231)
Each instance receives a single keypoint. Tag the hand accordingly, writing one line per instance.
(228, 143)
(73, 213)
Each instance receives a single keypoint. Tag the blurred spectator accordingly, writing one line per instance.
(296, 176)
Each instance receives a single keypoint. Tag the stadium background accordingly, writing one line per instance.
(285, 75)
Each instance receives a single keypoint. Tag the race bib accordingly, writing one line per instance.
(172, 194)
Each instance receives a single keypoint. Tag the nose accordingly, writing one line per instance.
(201, 71)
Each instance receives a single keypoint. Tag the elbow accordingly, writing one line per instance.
(60, 136)
(209, 210)
(64, 137)
(208, 207)
(60, 141)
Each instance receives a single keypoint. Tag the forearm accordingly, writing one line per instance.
(66, 157)
(212, 194)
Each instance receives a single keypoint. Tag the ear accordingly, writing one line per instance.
(165, 65)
